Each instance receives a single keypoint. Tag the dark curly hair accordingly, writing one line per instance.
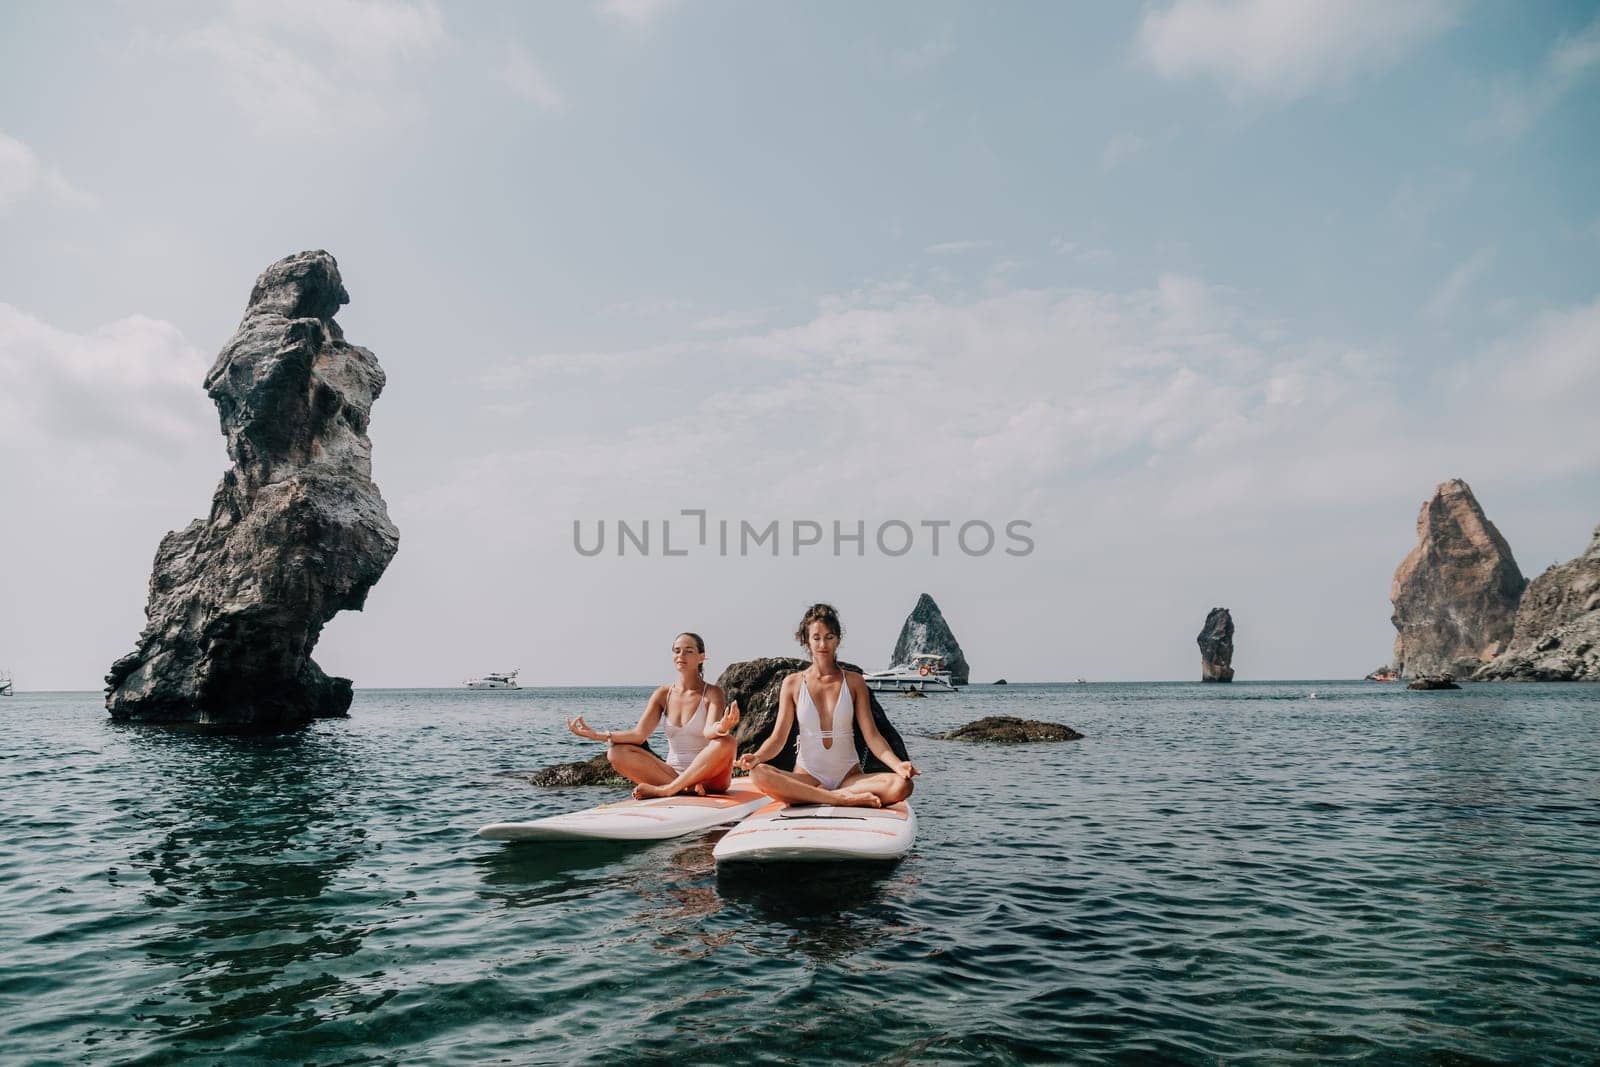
(823, 613)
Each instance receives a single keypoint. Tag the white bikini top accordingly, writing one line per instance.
(808, 720)
(690, 738)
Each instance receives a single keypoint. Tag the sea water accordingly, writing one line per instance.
(1239, 873)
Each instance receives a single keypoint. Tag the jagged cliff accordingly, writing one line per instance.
(926, 632)
(1455, 594)
(1216, 646)
(1557, 632)
(297, 530)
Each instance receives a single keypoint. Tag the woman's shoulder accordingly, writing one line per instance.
(714, 692)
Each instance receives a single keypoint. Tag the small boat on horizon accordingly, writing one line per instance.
(5, 683)
(926, 673)
(492, 680)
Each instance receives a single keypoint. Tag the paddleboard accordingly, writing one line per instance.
(636, 820)
(819, 832)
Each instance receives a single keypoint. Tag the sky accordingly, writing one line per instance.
(1191, 303)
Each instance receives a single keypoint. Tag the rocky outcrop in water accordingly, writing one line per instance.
(1216, 646)
(297, 530)
(1385, 673)
(756, 683)
(1556, 637)
(1455, 595)
(595, 771)
(926, 633)
(1433, 681)
(1010, 730)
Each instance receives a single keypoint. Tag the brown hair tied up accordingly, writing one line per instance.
(699, 646)
(824, 614)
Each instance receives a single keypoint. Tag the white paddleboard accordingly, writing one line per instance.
(637, 820)
(818, 832)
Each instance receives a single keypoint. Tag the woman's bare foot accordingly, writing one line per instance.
(854, 799)
(650, 792)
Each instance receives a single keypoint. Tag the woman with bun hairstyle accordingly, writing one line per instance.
(828, 705)
(700, 744)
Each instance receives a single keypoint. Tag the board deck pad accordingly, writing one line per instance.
(819, 832)
(637, 820)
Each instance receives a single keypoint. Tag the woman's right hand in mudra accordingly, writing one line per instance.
(582, 729)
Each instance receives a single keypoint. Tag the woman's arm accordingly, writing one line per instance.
(636, 736)
(719, 722)
(862, 698)
(780, 727)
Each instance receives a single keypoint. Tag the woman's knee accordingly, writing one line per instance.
(763, 775)
(897, 790)
(616, 753)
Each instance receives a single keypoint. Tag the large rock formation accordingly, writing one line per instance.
(1557, 633)
(755, 685)
(1455, 595)
(1216, 646)
(926, 632)
(297, 530)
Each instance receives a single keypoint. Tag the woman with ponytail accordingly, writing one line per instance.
(700, 744)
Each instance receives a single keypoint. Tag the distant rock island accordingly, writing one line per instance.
(1216, 646)
(1557, 633)
(1455, 594)
(297, 530)
(926, 633)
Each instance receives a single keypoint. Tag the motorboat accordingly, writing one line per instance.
(925, 673)
(507, 680)
(5, 683)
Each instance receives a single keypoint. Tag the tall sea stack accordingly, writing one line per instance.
(1455, 595)
(297, 530)
(1557, 632)
(1216, 646)
(926, 633)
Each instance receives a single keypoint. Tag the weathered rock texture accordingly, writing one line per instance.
(755, 684)
(1557, 633)
(297, 530)
(1010, 730)
(1216, 646)
(1432, 681)
(926, 632)
(595, 771)
(1455, 595)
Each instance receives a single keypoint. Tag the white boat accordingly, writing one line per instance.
(5, 683)
(925, 673)
(507, 680)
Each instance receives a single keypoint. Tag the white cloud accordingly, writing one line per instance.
(910, 60)
(1446, 299)
(1518, 105)
(23, 175)
(134, 383)
(635, 14)
(1276, 51)
(951, 248)
(328, 66)
(1121, 148)
(528, 80)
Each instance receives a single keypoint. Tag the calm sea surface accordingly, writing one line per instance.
(1215, 873)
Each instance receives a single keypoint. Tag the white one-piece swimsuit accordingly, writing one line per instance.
(831, 765)
(685, 742)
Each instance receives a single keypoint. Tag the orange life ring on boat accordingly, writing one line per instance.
(924, 670)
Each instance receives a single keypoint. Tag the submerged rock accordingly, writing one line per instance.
(1000, 681)
(1216, 646)
(1455, 594)
(297, 530)
(1384, 673)
(926, 633)
(1010, 730)
(1433, 681)
(1557, 633)
(596, 771)
(756, 683)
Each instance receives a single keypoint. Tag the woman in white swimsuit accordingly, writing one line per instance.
(828, 705)
(700, 744)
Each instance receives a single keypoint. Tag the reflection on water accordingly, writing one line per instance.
(1213, 873)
